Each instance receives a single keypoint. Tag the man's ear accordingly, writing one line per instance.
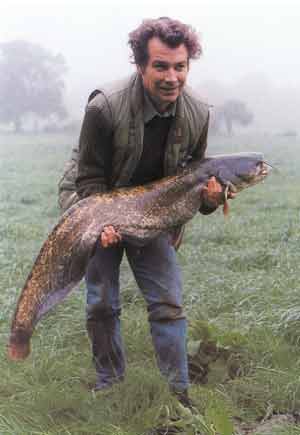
(140, 69)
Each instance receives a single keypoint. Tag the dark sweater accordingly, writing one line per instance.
(151, 164)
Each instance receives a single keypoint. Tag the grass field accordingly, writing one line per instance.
(241, 290)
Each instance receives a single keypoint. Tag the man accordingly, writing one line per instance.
(136, 131)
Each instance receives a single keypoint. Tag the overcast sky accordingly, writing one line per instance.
(239, 37)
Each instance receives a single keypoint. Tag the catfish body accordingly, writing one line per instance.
(139, 214)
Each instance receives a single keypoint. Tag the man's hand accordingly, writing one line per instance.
(109, 237)
(214, 192)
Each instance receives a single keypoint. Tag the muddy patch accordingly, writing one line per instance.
(275, 424)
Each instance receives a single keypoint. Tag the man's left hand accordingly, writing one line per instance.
(213, 193)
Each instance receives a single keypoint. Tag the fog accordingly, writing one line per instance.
(250, 47)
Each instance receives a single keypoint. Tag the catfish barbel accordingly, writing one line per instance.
(139, 214)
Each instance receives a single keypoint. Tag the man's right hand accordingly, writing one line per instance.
(212, 194)
(109, 237)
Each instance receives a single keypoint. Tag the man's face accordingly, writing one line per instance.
(165, 73)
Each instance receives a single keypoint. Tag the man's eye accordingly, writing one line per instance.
(160, 67)
(180, 67)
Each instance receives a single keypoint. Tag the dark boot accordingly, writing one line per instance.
(183, 398)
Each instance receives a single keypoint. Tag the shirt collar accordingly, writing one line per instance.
(150, 111)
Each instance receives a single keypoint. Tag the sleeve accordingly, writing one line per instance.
(95, 151)
(206, 206)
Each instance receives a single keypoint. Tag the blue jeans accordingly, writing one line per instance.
(158, 276)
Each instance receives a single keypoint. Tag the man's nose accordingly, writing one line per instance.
(171, 76)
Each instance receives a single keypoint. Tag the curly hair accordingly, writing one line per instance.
(172, 32)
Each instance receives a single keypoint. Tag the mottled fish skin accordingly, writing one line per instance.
(139, 214)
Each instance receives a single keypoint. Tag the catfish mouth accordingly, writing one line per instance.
(261, 171)
(258, 174)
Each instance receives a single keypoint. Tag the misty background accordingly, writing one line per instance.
(250, 57)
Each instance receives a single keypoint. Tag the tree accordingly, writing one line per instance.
(30, 82)
(229, 113)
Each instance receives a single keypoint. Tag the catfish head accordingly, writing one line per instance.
(234, 172)
(239, 171)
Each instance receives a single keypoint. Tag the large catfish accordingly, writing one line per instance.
(139, 214)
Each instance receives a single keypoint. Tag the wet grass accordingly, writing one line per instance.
(241, 291)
